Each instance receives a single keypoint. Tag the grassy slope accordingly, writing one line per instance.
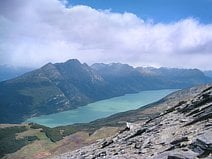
(43, 146)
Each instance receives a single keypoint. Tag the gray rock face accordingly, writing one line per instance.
(177, 154)
(203, 144)
(206, 140)
(183, 131)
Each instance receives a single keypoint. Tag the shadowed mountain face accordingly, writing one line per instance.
(63, 86)
(50, 89)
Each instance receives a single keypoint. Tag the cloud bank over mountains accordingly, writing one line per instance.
(39, 31)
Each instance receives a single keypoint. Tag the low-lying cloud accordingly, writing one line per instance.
(39, 31)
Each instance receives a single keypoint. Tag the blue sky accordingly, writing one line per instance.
(158, 10)
(159, 33)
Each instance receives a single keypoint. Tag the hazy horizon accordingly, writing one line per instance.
(113, 62)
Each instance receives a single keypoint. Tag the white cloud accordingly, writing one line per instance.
(39, 31)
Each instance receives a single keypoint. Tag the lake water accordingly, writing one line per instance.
(101, 108)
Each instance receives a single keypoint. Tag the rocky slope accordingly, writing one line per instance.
(182, 131)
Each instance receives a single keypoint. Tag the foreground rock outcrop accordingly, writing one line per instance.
(183, 131)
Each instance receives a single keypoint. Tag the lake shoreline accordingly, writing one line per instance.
(102, 108)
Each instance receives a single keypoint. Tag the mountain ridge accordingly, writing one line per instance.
(64, 86)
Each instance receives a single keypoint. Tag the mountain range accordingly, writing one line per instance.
(63, 86)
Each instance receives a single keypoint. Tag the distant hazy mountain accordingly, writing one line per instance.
(63, 86)
(208, 73)
(121, 77)
(174, 77)
(9, 72)
(144, 78)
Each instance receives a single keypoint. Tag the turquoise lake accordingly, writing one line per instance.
(101, 108)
